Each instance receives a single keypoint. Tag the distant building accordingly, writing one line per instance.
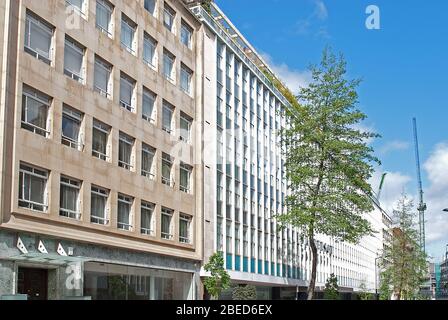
(444, 277)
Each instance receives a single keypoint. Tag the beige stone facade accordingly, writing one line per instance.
(21, 146)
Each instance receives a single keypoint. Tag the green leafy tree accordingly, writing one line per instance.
(328, 162)
(404, 264)
(246, 292)
(364, 294)
(207, 5)
(331, 291)
(385, 288)
(219, 279)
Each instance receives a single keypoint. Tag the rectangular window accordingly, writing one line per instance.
(167, 217)
(148, 153)
(127, 88)
(186, 33)
(100, 136)
(124, 219)
(102, 77)
(167, 167)
(104, 11)
(167, 117)
(74, 60)
(148, 105)
(185, 177)
(126, 144)
(33, 188)
(149, 50)
(185, 79)
(147, 213)
(128, 28)
(69, 198)
(185, 128)
(168, 65)
(71, 127)
(229, 237)
(35, 110)
(168, 17)
(150, 6)
(98, 205)
(77, 6)
(38, 37)
(184, 228)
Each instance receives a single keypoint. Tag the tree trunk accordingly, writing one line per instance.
(312, 284)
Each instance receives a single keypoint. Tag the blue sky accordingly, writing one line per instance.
(404, 68)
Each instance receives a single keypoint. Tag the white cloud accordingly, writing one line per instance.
(436, 195)
(292, 78)
(312, 24)
(395, 145)
(321, 11)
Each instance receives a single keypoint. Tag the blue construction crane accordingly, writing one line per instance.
(421, 205)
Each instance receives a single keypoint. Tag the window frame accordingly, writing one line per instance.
(110, 8)
(108, 68)
(188, 219)
(130, 142)
(131, 83)
(171, 13)
(184, 119)
(149, 95)
(81, 11)
(167, 160)
(73, 115)
(33, 171)
(106, 129)
(129, 201)
(148, 9)
(185, 168)
(104, 193)
(40, 97)
(170, 214)
(73, 45)
(148, 207)
(168, 56)
(185, 27)
(168, 106)
(150, 43)
(44, 26)
(149, 150)
(127, 22)
(185, 71)
(74, 184)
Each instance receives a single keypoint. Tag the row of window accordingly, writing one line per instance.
(104, 20)
(33, 195)
(39, 43)
(35, 118)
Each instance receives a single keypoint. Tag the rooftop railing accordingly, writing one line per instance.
(204, 16)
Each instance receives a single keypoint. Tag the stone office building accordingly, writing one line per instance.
(98, 192)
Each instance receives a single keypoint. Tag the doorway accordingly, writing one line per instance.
(33, 282)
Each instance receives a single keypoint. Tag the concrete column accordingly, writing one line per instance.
(7, 277)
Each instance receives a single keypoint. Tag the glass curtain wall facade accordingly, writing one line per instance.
(250, 174)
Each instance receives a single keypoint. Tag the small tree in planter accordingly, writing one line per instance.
(246, 292)
(219, 279)
(364, 294)
(331, 288)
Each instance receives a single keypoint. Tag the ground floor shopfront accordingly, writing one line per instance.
(34, 266)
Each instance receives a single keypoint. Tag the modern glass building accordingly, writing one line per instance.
(244, 180)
